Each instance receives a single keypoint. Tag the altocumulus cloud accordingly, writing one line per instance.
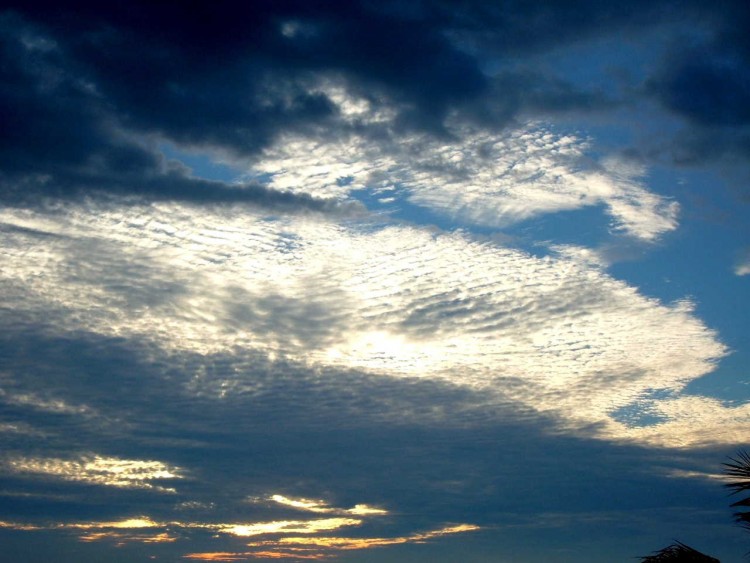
(556, 334)
(478, 178)
(100, 470)
(293, 364)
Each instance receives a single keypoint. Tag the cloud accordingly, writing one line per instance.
(225, 342)
(135, 523)
(557, 335)
(245, 529)
(63, 144)
(288, 527)
(324, 547)
(692, 421)
(89, 98)
(706, 89)
(241, 427)
(704, 80)
(120, 539)
(99, 470)
(742, 264)
(319, 506)
(233, 529)
(476, 178)
(286, 532)
(48, 405)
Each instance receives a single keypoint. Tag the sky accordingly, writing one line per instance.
(372, 281)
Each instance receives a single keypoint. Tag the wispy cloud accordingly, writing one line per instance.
(742, 264)
(340, 543)
(100, 470)
(296, 537)
(287, 527)
(324, 547)
(319, 506)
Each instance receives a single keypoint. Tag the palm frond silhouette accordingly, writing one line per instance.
(739, 469)
(678, 552)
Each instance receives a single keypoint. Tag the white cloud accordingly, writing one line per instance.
(557, 335)
(99, 470)
(32, 400)
(690, 421)
(479, 178)
(128, 523)
(286, 527)
(345, 544)
(742, 265)
(319, 506)
(284, 539)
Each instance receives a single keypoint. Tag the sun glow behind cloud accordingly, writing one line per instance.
(324, 547)
(287, 527)
(289, 534)
(555, 334)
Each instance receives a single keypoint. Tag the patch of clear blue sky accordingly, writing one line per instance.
(696, 262)
(201, 163)
(640, 412)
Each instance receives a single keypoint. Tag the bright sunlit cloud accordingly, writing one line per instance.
(324, 547)
(128, 523)
(556, 334)
(339, 543)
(100, 470)
(323, 280)
(121, 539)
(481, 179)
(319, 506)
(287, 527)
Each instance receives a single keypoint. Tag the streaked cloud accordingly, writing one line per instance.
(145, 530)
(51, 405)
(19, 526)
(217, 556)
(339, 543)
(99, 470)
(319, 506)
(128, 523)
(121, 539)
(323, 547)
(287, 527)
(121, 532)
(103, 530)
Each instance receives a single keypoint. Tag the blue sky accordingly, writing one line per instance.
(372, 281)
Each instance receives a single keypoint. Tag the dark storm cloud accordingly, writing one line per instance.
(230, 74)
(248, 427)
(61, 138)
(708, 89)
(705, 80)
(84, 86)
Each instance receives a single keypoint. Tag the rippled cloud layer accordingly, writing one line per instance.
(554, 334)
